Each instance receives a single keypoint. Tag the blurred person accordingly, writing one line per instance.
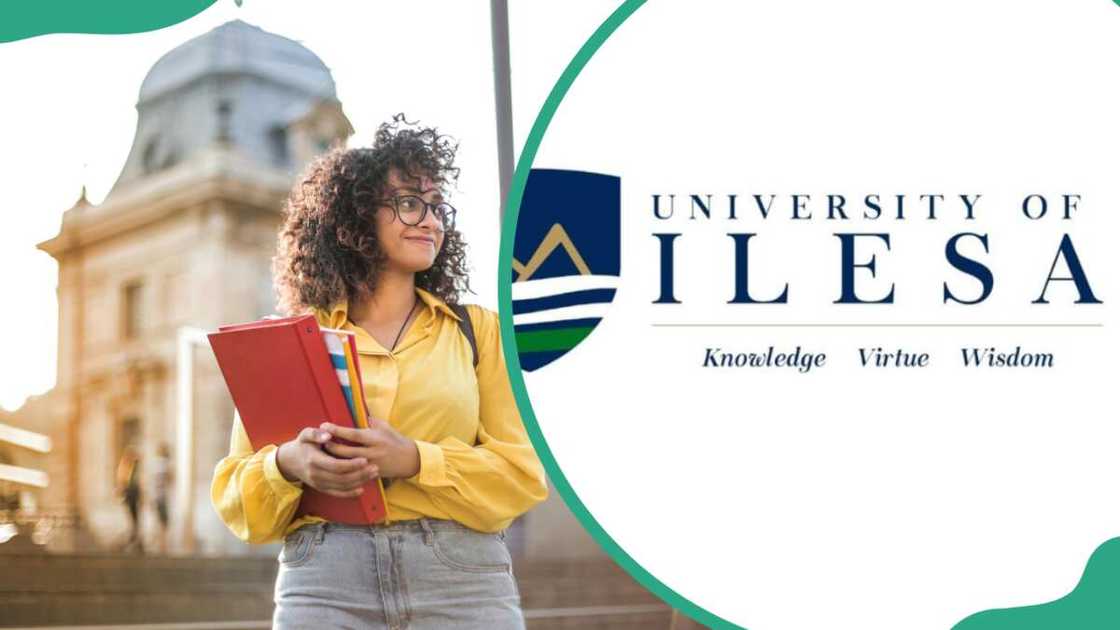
(369, 245)
(128, 487)
(162, 480)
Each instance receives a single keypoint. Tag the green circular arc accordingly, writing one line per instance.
(509, 342)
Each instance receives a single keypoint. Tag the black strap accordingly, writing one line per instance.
(467, 327)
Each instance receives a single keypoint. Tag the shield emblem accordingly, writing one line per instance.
(565, 261)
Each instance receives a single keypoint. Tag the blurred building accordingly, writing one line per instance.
(23, 459)
(184, 241)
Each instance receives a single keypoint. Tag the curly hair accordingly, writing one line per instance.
(328, 249)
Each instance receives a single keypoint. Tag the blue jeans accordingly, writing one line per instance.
(423, 574)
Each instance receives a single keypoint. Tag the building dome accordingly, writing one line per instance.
(265, 97)
(239, 48)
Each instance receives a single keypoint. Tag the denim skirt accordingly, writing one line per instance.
(419, 574)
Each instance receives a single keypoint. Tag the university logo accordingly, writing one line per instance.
(565, 261)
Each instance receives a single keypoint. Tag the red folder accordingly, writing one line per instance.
(282, 381)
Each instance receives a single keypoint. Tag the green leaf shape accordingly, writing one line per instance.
(20, 19)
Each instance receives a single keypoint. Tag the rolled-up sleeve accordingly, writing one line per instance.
(486, 485)
(249, 492)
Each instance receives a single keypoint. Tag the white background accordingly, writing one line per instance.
(849, 497)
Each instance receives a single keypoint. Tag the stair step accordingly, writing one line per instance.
(41, 590)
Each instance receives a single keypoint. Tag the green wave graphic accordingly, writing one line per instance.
(1093, 605)
(29, 18)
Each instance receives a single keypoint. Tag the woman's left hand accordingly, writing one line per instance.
(394, 454)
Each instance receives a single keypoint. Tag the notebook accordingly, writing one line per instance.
(283, 379)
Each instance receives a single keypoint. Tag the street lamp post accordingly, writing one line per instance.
(503, 105)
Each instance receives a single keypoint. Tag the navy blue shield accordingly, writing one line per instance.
(565, 261)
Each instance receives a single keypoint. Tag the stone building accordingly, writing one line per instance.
(181, 244)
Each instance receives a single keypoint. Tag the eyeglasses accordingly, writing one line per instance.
(411, 210)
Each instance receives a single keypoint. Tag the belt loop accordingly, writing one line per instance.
(427, 527)
(322, 533)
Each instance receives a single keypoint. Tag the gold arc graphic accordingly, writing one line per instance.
(556, 237)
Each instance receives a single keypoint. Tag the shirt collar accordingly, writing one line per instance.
(335, 316)
(434, 303)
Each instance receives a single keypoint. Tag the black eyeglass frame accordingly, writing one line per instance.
(447, 223)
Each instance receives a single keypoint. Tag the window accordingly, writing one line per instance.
(131, 311)
(149, 161)
(158, 155)
(278, 146)
(171, 159)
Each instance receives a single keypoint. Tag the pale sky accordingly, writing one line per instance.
(69, 117)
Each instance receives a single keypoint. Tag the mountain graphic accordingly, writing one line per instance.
(560, 292)
(556, 237)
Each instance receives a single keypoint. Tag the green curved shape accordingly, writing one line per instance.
(20, 19)
(1093, 605)
(509, 342)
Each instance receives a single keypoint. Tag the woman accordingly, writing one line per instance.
(128, 486)
(369, 245)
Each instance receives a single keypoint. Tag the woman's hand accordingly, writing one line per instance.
(394, 454)
(303, 459)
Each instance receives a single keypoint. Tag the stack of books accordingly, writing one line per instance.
(287, 374)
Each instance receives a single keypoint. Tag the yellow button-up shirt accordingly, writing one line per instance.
(477, 465)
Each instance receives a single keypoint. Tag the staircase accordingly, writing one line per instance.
(594, 594)
(69, 590)
(236, 593)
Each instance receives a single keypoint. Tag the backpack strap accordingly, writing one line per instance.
(467, 327)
